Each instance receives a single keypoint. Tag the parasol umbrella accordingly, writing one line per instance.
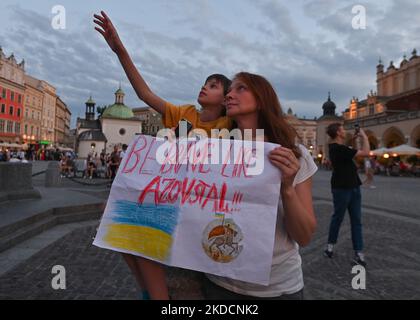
(405, 150)
(379, 152)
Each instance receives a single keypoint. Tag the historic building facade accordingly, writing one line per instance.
(306, 130)
(28, 107)
(391, 115)
(32, 119)
(116, 126)
(151, 120)
(12, 91)
(62, 123)
(329, 116)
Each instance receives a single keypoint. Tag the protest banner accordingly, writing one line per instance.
(173, 203)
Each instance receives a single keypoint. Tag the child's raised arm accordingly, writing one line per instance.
(107, 29)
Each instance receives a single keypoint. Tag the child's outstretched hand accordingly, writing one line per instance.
(107, 29)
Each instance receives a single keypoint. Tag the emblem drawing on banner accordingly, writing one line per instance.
(221, 240)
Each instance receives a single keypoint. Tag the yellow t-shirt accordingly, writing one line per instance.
(173, 114)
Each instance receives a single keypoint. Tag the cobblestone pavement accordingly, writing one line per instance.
(391, 240)
(396, 194)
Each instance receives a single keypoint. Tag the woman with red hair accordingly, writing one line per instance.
(253, 104)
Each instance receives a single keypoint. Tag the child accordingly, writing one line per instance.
(211, 96)
(150, 275)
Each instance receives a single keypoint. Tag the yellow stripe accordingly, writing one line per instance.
(146, 241)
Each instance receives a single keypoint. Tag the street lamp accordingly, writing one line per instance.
(386, 156)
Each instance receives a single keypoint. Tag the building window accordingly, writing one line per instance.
(122, 131)
(26, 129)
(32, 130)
(19, 98)
(26, 114)
(11, 110)
(3, 108)
(9, 127)
(3, 93)
(371, 109)
(1, 125)
(33, 114)
(12, 96)
(17, 128)
(18, 113)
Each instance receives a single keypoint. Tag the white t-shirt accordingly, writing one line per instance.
(286, 270)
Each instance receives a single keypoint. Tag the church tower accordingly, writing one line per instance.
(90, 109)
(119, 96)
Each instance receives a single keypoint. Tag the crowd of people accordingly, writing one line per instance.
(375, 165)
(42, 154)
(103, 165)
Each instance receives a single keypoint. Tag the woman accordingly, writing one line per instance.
(253, 104)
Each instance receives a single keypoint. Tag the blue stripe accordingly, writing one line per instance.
(164, 218)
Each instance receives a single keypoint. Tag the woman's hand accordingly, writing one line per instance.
(107, 29)
(289, 165)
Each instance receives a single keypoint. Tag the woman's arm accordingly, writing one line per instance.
(108, 31)
(299, 217)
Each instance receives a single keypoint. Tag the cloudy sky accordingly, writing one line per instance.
(305, 49)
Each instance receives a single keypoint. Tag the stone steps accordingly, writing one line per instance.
(24, 229)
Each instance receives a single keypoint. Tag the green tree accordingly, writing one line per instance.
(100, 110)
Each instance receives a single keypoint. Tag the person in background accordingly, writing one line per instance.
(91, 169)
(114, 162)
(369, 172)
(345, 186)
(123, 151)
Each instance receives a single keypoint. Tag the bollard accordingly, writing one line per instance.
(52, 175)
(16, 182)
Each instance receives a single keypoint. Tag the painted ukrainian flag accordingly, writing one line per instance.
(219, 215)
(145, 229)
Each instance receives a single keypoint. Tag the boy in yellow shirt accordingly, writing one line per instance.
(151, 275)
(211, 97)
